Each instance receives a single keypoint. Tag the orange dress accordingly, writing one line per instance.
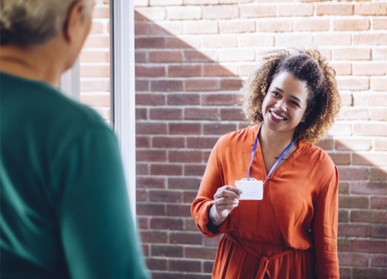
(292, 232)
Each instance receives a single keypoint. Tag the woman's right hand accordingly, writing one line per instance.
(226, 198)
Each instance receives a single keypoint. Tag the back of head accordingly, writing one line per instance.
(31, 23)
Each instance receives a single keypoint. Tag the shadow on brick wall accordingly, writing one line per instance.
(186, 99)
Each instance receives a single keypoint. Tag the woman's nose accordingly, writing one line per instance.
(281, 105)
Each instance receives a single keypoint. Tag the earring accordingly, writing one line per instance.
(263, 87)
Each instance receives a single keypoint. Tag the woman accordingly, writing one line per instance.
(64, 207)
(292, 232)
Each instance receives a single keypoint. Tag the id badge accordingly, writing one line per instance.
(252, 189)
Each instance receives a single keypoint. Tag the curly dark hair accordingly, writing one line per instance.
(308, 65)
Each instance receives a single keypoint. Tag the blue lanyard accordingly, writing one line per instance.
(278, 160)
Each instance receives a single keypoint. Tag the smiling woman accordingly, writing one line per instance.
(292, 231)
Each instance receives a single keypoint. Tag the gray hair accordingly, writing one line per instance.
(31, 23)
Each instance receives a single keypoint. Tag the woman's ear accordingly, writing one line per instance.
(306, 113)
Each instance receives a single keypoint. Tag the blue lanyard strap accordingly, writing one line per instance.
(278, 160)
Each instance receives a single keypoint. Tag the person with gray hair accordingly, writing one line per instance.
(64, 205)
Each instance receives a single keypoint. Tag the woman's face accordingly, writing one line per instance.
(285, 103)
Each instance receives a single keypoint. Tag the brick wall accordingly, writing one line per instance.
(191, 58)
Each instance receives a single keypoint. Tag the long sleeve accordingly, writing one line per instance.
(95, 224)
(324, 230)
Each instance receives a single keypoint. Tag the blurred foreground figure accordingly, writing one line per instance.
(64, 206)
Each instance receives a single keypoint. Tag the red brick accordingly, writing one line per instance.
(296, 10)
(150, 209)
(325, 144)
(341, 68)
(370, 99)
(200, 2)
(166, 223)
(275, 26)
(158, 169)
(142, 85)
(257, 11)
(350, 113)
(379, 260)
(166, 28)
(379, 129)
(194, 170)
(150, 99)
(185, 265)
(166, 85)
(184, 71)
(184, 13)
(151, 128)
(371, 246)
(184, 128)
(165, 56)
(230, 84)
(201, 85)
(367, 273)
(185, 238)
(351, 24)
(353, 259)
(179, 210)
(200, 253)
(237, 55)
(369, 159)
(380, 144)
(182, 42)
(150, 156)
(165, 196)
(340, 158)
(94, 71)
(353, 202)
(378, 173)
(370, 39)
(219, 41)
(311, 25)
(331, 39)
(236, 26)
(202, 27)
(379, 231)
(379, 23)
(141, 196)
(370, 69)
(355, 84)
(218, 128)
(346, 99)
(352, 54)
(166, 251)
(200, 56)
(379, 202)
(150, 182)
(145, 249)
(95, 85)
(94, 56)
(151, 42)
(200, 113)
(352, 173)
(379, 84)
(168, 142)
(201, 142)
(156, 264)
(189, 225)
(353, 144)
(189, 196)
(215, 70)
(352, 230)
(292, 39)
(153, 237)
(208, 266)
(255, 41)
(95, 100)
(369, 216)
(372, 188)
(150, 71)
(343, 215)
(165, 114)
(183, 99)
(335, 9)
(183, 183)
(218, 99)
(371, 8)
(345, 273)
(140, 57)
(165, 2)
(97, 41)
(235, 1)
(378, 114)
(220, 12)
(343, 188)
(143, 222)
(185, 156)
(340, 130)
(231, 114)
(149, 14)
(141, 169)
(101, 12)
(140, 28)
(142, 142)
(343, 244)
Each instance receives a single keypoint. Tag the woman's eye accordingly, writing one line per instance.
(294, 103)
(275, 93)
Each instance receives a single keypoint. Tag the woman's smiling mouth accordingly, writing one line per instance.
(276, 116)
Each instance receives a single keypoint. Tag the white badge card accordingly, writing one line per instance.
(252, 189)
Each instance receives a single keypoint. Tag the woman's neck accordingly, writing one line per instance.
(274, 140)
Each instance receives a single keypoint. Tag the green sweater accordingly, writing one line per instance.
(64, 205)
